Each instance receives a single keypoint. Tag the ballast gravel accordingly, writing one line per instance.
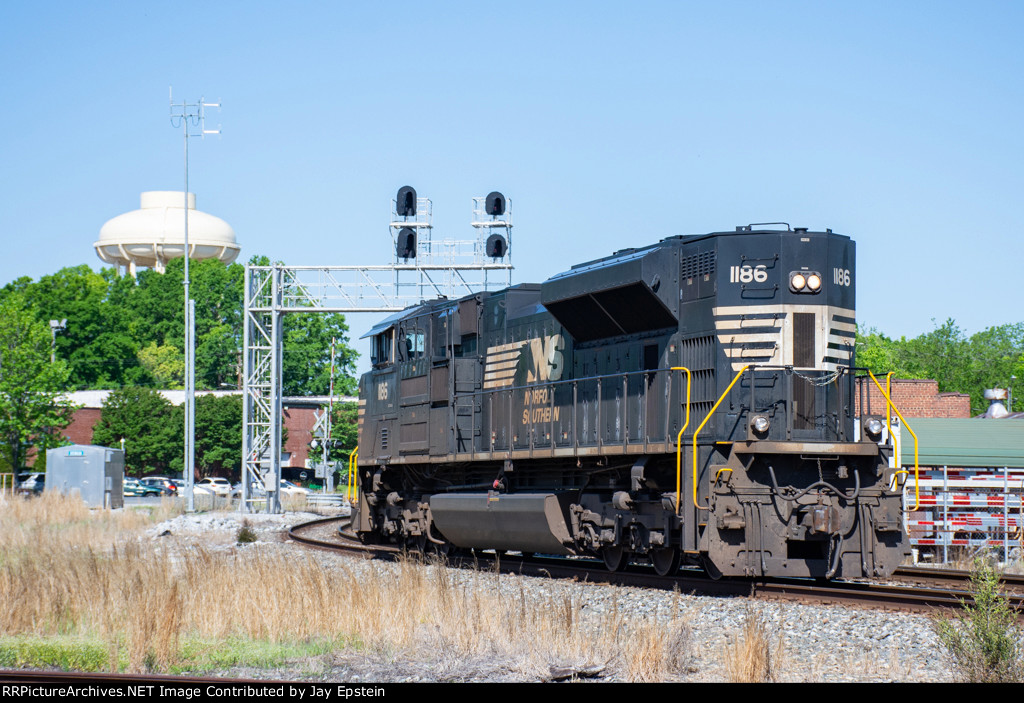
(818, 643)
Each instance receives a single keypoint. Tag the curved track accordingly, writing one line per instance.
(921, 590)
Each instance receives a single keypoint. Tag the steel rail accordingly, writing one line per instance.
(586, 570)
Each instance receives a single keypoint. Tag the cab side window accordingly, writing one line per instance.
(383, 343)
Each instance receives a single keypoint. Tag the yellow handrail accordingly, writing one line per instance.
(713, 409)
(888, 410)
(679, 441)
(917, 482)
(350, 491)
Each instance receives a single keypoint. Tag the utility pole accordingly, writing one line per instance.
(190, 117)
(55, 327)
(328, 472)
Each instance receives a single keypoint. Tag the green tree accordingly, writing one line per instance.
(997, 355)
(150, 425)
(961, 364)
(881, 354)
(31, 410)
(158, 312)
(345, 428)
(165, 363)
(217, 290)
(306, 365)
(123, 331)
(945, 355)
(97, 342)
(219, 436)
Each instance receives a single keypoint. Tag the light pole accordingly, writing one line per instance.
(185, 114)
(55, 327)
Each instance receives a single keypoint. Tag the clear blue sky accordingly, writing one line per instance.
(897, 123)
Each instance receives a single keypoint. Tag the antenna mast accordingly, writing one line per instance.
(191, 119)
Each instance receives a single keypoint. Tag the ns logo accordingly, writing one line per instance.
(544, 362)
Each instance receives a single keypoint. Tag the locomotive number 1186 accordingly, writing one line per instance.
(748, 274)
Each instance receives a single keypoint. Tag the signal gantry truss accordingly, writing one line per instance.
(446, 268)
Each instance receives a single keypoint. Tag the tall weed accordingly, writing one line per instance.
(142, 603)
(754, 656)
(984, 641)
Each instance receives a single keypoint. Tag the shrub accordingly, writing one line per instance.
(246, 535)
(984, 641)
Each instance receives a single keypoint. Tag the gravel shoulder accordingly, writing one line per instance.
(818, 643)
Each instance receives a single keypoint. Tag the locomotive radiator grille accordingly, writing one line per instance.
(805, 336)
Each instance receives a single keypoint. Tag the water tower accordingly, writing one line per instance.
(155, 233)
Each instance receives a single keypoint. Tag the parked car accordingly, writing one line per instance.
(220, 486)
(162, 483)
(255, 490)
(31, 484)
(133, 487)
(197, 490)
(289, 489)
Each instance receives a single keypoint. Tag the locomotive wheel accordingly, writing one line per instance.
(709, 568)
(416, 544)
(615, 557)
(665, 561)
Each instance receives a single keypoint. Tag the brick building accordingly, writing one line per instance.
(916, 398)
(298, 419)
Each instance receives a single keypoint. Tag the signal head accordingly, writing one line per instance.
(406, 245)
(496, 246)
(495, 204)
(405, 202)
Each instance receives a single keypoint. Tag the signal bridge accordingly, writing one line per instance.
(423, 269)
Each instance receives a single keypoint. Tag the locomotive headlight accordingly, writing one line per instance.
(873, 428)
(760, 424)
(805, 281)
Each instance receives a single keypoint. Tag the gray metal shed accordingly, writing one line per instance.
(95, 473)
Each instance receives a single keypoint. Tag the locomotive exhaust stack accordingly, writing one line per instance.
(690, 401)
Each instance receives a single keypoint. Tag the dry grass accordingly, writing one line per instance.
(754, 656)
(70, 572)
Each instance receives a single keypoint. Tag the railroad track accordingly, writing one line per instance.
(912, 589)
(930, 575)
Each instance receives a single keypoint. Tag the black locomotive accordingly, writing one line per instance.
(691, 400)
